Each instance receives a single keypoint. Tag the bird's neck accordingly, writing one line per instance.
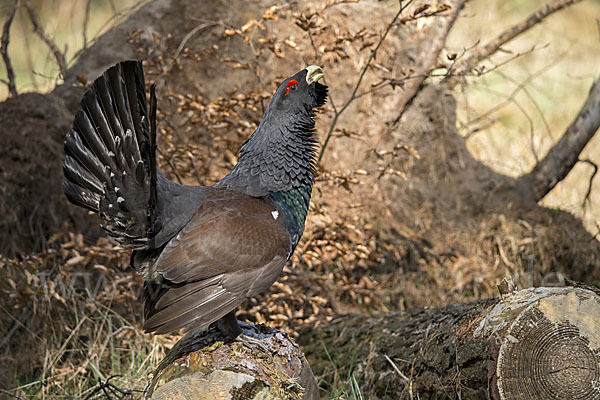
(277, 158)
(294, 204)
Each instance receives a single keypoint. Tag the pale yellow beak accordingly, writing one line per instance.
(313, 74)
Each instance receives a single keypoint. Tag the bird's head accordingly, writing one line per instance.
(282, 153)
(301, 93)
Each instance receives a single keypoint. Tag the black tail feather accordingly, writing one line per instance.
(82, 177)
(81, 196)
(151, 149)
(110, 165)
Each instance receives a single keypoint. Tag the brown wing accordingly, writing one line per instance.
(229, 251)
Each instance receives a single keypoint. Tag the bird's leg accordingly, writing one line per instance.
(228, 326)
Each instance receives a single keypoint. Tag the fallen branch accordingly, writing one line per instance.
(536, 343)
(493, 46)
(12, 88)
(559, 161)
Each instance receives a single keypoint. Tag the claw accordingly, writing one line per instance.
(252, 343)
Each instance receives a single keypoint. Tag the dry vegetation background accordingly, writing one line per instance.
(511, 117)
(534, 98)
(69, 311)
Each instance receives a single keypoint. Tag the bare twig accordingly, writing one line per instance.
(530, 96)
(393, 364)
(559, 161)
(191, 33)
(185, 142)
(112, 391)
(520, 86)
(29, 53)
(429, 59)
(360, 78)
(531, 128)
(173, 168)
(12, 88)
(6, 392)
(117, 17)
(37, 29)
(480, 128)
(393, 82)
(314, 46)
(86, 21)
(512, 100)
(589, 190)
(509, 34)
(482, 71)
(423, 14)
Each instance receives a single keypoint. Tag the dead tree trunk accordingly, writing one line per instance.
(201, 365)
(559, 161)
(538, 343)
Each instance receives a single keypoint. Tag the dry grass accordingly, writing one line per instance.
(72, 310)
(79, 300)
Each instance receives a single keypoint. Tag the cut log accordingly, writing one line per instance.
(538, 343)
(266, 366)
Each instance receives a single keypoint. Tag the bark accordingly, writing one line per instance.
(559, 161)
(201, 365)
(538, 343)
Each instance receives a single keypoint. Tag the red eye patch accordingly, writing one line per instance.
(293, 85)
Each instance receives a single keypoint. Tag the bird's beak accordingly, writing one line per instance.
(313, 74)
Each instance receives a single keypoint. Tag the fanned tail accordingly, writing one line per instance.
(110, 164)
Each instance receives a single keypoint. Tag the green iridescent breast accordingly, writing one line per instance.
(294, 204)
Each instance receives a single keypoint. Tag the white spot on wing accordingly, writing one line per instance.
(275, 214)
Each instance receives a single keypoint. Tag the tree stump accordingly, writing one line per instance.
(550, 345)
(537, 343)
(203, 366)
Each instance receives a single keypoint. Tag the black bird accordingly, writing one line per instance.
(202, 250)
